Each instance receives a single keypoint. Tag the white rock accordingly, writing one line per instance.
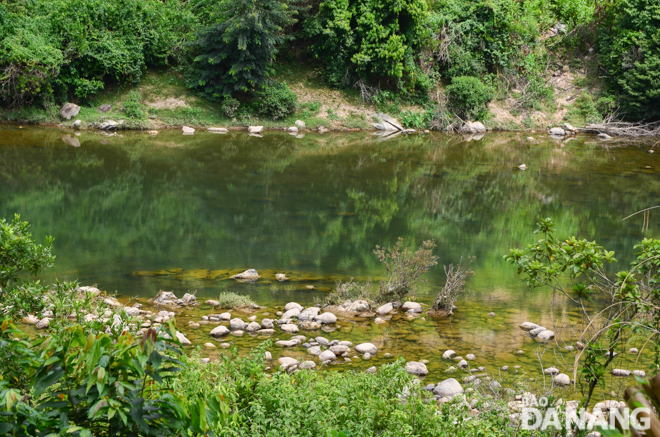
(561, 380)
(371, 369)
(448, 355)
(339, 349)
(385, 309)
(326, 318)
(187, 130)
(522, 167)
(288, 327)
(416, 368)
(551, 371)
(69, 110)
(293, 312)
(557, 131)
(267, 324)
(621, 372)
(470, 357)
(209, 345)
(327, 355)
(640, 373)
(545, 335)
(43, 323)
(366, 348)
(219, 331)
(306, 365)
(237, 324)
(528, 326)
(253, 327)
(358, 306)
(183, 339)
(217, 130)
(300, 124)
(268, 356)
(314, 350)
(287, 343)
(448, 388)
(249, 275)
(293, 130)
(292, 305)
(224, 316)
(30, 320)
(286, 362)
(473, 127)
(463, 364)
(414, 306)
(281, 277)
(255, 129)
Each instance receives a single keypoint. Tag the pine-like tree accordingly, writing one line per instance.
(236, 53)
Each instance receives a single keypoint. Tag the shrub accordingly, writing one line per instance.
(233, 300)
(349, 291)
(21, 256)
(468, 97)
(404, 268)
(276, 100)
(629, 50)
(237, 53)
(230, 107)
(453, 288)
(133, 107)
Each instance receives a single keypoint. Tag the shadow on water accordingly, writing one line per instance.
(136, 214)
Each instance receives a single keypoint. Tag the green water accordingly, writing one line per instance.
(123, 207)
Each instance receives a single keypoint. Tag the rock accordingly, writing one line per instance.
(165, 298)
(249, 275)
(371, 369)
(621, 372)
(310, 325)
(252, 327)
(339, 349)
(255, 129)
(217, 130)
(416, 368)
(281, 277)
(286, 362)
(385, 309)
(77, 124)
(209, 345)
(365, 348)
(536, 331)
(69, 110)
(310, 312)
(132, 312)
(292, 130)
(187, 130)
(528, 326)
(462, 364)
(495, 387)
(212, 303)
(152, 132)
(358, 306)
(568, 128)
(31, 320)
(557, 131)
(183, 339)
(640, 373)
(323, 129)
(448, 388)
(473, 127)
(43, 323)
(290, 328)
(292, 305)
(300, 124)
(237, 324)
(491, 314)
(219, 331)
(189, 299)
(388, 123)
(306, 365)
(412, 306)
(366, 356)
(293, 312)
(429, 387)
(314, 350)
(326, 318)
(287, 343)
(379, 321)
(545, 335)
(267, 324)
(551, 371)
(448, 355)
(470, 357)
(266, 331)
(604, 136)
(327, 355)
(105, 108)
(505, 368)
(109, 125)
(322, 341)
(561, 380)
(633, 350)
(225, 316)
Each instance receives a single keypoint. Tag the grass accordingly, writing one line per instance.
(231, 300)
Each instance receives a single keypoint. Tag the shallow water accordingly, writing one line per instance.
(124, 209)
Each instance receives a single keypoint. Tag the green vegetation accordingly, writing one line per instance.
(468, 98)
(232, 300)
(575, 268)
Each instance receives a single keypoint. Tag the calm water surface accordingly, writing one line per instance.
(136, 214)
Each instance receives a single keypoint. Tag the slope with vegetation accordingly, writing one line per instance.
(431, 63)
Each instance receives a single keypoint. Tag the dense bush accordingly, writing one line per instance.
(236, 53)
(133, 106)
(20, 256)
(76, 46)
(276, 100)
(629, 49)
(367, 39)
(468, 97)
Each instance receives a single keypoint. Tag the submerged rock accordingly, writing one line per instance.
(545, 335)
(281, 277)
(528, 326)
(250, 275)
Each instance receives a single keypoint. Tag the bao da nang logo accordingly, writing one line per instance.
(537, 415)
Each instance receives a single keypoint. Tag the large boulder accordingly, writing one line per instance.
(286, 362)
(250, 275)
(366, 348)
(416, 368)
(188, 299)
(69, 110)
(448, 388)
(219, 331)
(473, 127)
(267, 324)
(358, 306)
(557, 131)
(109, 125)
(387, 123)
(253, 327)
(255, 129)
(326, 318)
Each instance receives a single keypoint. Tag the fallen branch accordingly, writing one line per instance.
(623, 129)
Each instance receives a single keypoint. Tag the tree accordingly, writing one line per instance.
(237, 52)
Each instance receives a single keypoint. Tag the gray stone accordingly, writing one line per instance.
(31, 320)
(219, 331)
(463, 364)
(385, 309)
(448, 388)
(448, 355)
(621, 372)
(237, 324)
(528, 326)
(267, 324)
(416, 368)
(212, 302)
(225, 316)
(300, 124)
(557, 131)
(470, 357)
(183, 339)
(165, 298)
(189, 299)
(545, 335)
(371, 369)
(286, 362)
(217, 130)
(536, 331)
(604, 136)
(412, 306)
(105, 108)
(365, 348)
(109, 125)
(640, 373)
(69, 110)
(287, 343)
(77, 124)
(43, 323)
(339, 349)
(288, 327)
(327, 355)
(326, 318)
(561, 380)
(307, 365)
(473, 127)
(293, 312)
(255, 129)
(314, 350)
(292, 305)
(551, 371)
(322, 341)
(250, 275)
(253, 327)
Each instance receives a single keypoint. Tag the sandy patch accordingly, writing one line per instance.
(168, 103)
